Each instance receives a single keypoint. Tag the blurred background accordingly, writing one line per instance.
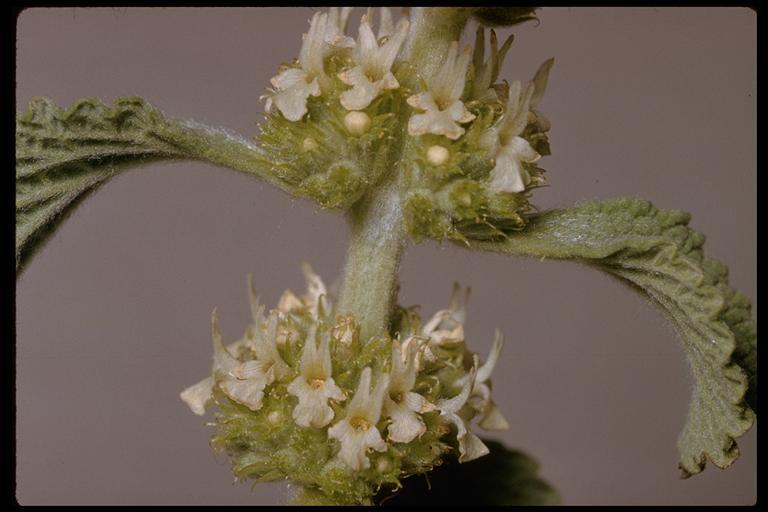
(113, 315)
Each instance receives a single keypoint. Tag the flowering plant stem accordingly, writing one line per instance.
(369, 288)
(431, 33)
(411, 136)
(370, 277)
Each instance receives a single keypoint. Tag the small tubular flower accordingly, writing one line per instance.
(371, 74)
(470, 446)
(442, 329)
(259, 372)
(505, 145)
(289, 302)
(446, 327)
(293, 86)
(311, 300)
(265, 342)
(336, 27)
(441, 103)
(315, 386)
(357, 432)
(315, 290)
(243, 382)
(198, 395)
(401, 404)
(480, 399)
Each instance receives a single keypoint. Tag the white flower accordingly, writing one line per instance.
(289, 302)
(198, 395)
(371, 74)
(470, 446)
(316, 291)
(293, 86)
(268, 359)
(505, 145)
(336, 27)
(357, 432)
(401, 404)
(441, 103)
(446, 327)
(487, 71)
(243, 382)
(443, 330)
(314, 299)
(480, 396)
(314, 385)
(265, 339)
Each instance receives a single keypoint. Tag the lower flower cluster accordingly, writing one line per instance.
(301, 397)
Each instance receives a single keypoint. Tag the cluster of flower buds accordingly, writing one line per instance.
(301, 397)
(348, 112)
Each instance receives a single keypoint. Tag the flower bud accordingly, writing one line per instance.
(357, 123)
(437, 155)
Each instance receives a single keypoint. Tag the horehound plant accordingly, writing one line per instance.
(412, 136)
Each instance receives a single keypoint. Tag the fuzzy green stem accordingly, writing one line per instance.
(373, 258)
(432, 30)
(369, 288)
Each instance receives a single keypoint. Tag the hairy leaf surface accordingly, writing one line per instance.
(658, 253)
(62, 155)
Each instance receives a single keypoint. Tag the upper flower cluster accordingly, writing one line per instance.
(302, 394)
(341, 118)
(371, 60)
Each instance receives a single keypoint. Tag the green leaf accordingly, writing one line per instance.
(503, 477)
(660, 255)
(62, 155)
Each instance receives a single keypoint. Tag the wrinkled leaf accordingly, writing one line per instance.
(658, 253)
(62, 155)
(503, 477)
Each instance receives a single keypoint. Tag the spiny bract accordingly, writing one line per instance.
(301, 397)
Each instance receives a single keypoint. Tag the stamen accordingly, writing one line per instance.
(360, 424)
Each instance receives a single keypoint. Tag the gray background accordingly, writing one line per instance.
(113, 315)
